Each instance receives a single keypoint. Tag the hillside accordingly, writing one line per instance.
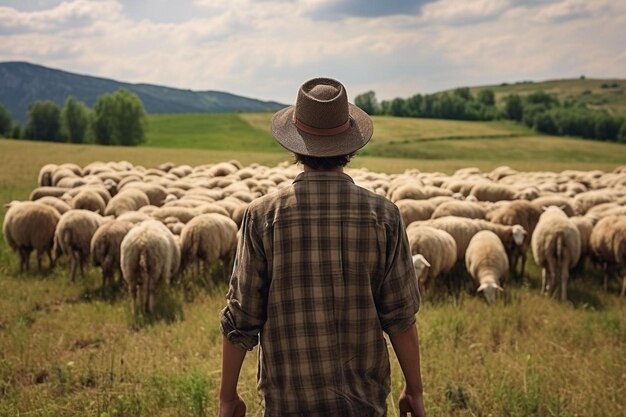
(22, 83)
(609, 94)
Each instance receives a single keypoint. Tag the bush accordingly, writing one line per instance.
(44, 122)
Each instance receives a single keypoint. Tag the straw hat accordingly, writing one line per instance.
(322, 123)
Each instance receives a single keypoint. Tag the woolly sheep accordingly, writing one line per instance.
(45, 175)
(207, 239)
(73, 235)
(88, 200)
(407, 191)
(413, 210)
(56, 203)
(30, 226)
(584, 224)
(105, 249)
(485, 191)
(556, 249)
(439, 249)
(487, 262)
(565, 203)
(460, 209)
(150, 258)
(126, 200)
(525, 214)
(41, 192)
(607, 245)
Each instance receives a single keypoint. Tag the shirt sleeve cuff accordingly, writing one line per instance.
(245, 340)
(399, 326)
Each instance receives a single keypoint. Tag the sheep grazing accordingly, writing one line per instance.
(209, 238)
(459, 209)
(88, 199)
(415, 210)
(607, 244)
(525, 214)
(105, 249)
(59, 205)
(150, 258)
(130, 199)
(73, 237)
(487, 262)
(487, 191)
(30, 226)
(556, 249)
(437, 247)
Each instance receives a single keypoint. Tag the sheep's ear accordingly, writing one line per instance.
(544, 208)
(481, 288)
(499, 288)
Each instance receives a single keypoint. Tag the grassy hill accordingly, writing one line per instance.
(428, 144)
(609, 94)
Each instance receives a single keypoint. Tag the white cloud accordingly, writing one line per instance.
(266, 49)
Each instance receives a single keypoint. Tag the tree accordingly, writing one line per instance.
(513, 107)
(75, 120)
(398, 107)
(367, 102)
(44, 121)
(119, 119)
(131, 119)
(6, 122)
(487, 97)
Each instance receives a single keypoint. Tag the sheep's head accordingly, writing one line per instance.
(519, 234)
(420, 264)
(489, 290)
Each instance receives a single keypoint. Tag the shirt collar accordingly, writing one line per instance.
(323, 176)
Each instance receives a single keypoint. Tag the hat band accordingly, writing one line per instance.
(322, 131)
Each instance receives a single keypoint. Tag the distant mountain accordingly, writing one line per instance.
(21, 83)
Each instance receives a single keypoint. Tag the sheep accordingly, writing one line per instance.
(131, 199)
(30, 226)
(565, 203)
(56, 203)
(208, 238)
(41, 192)
(156, 194)
(45, 175)
(487, 191)
(105, 249)
(73, 235)
(413, 210)
(150, 258)
(459, 209)
(525, 214)
(487, 262)
(421, 265)
(607, 245)
(407, 191)
(586, 200)
(556, 249)
(184, 215)
(439, 249)
(88, 200)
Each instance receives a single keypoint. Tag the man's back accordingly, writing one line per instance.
(335, 278)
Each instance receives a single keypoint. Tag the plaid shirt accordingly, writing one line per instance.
(323, 268)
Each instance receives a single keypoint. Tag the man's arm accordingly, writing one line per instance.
(232, 359)
(406, 346)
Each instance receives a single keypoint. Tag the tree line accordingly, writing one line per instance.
(117, 118)
(539, 110)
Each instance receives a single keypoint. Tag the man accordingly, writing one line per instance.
(323, 269)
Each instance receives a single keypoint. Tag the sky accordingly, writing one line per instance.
(267, 48)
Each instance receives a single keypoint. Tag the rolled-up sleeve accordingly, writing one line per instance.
(399, 295)
(245, 313)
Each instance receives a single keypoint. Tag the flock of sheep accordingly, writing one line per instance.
(150, 225)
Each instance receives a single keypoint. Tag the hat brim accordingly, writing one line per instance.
(291, 138)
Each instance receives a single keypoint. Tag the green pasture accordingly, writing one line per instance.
(69, 350)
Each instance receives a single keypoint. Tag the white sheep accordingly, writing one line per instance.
(150, 258)
(487, 262)
(607, 245)
(460, 209)
(556, 249)
(105, 249)
(73, 235)
(207, 239)
(30, 226)
(438, 247)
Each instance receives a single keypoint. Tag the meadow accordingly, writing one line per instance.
(68, 350)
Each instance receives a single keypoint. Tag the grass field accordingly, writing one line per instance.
(65, 350)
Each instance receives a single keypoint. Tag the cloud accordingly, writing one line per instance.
(67, 14)
(458, 12)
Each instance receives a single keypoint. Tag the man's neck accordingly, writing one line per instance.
(309, 169)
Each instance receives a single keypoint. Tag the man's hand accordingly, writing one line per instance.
(413, 404)
(232, 408)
